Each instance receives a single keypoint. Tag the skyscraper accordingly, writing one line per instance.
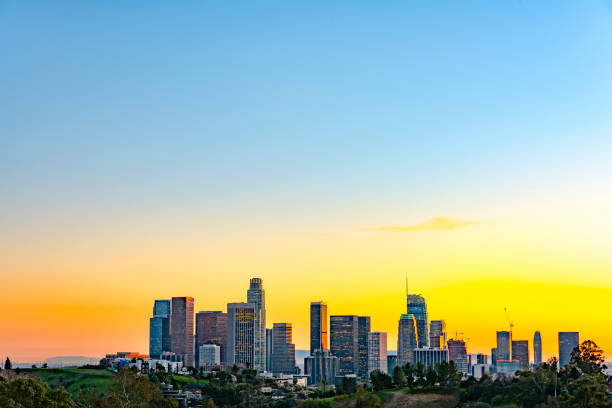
(269, 345)
(321, 365)
(318, 326)
(406, 339)
(417, 308)
(283, 350)
(161, 307)
(344, 342)
(567, 342)
(457, 352)
(240, 338)
(211, 328)
(503, 346)
(181, 329)
(437, 334)
(520, 352)
(159, 328)
(257, 296)
(537, 348)
(377, 351)
(364, 332)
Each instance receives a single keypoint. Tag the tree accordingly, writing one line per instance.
(408, 369)
(399, 378)
(131, 390)
(364, 399)
(447, 374)
(588, 358)
(588, 391)
(380, 380)
(32, 392)
(419, 372)
(7, 364)
(348, 386)
(431, 376)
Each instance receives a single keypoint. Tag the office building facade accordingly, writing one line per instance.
(391, 363)
(318, 326)
(363, 335)
(417, 308)
(269, 345)
(257, 296)
(567, 342)
(211, 328)
(437, 334)
(344, 343)
(520, 353)
(240, 337)
(283, 350)
(377, 352)
(181, 329)
(209, 355)
(321, 365)
(161, 307)
(504, 341)
(159, 335)
(429, 356)
(457, 352)
(406, 339)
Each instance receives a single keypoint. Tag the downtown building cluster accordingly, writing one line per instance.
(237, 336)
(340, 345)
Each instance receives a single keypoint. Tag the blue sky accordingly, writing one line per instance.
(298, 107)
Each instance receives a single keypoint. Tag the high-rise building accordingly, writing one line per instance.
(257, 296)
(406, 339)
(520, 353)
(481, 358)
(364, 332)
(344, 343)
(494, 356)
(159, 328)
(417, 308)
(457, 352)
(567, 342)
(181, 329)
(504, 341)
(283, 350)
(161, 307)
(377, 351)
(211, 328)
(391, 363)
(269, 346)
(429, 356)
(437, 334)
(159, 335)
(209, 355)
(240, 338)
(321, 365)
(318, 326)
(537, 348)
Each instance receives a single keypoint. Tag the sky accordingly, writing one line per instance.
(159, 149)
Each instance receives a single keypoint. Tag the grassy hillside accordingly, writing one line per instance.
(73, 379)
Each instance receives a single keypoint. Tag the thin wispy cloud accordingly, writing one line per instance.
(434, 224)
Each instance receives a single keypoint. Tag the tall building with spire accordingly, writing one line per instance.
(537, 348)
(257, 296)
(318, 326)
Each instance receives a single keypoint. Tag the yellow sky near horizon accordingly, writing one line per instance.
(97, 297)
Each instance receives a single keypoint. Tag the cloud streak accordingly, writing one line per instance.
(434, 224)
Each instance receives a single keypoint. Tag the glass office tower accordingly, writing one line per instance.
(240, 343)
(406, 339)
(567, 342)
(181, 329)
(537, 348)
(344, 342)
(417, 308)
(318, 326)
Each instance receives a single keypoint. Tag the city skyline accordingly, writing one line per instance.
(179, 149)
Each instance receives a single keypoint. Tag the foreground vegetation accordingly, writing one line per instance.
(582, 384)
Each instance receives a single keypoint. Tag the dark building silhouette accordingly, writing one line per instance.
(537, 348)
(318, 326)
(344, 342)
(406, 339)
(283, 350)
(211, 328)
(181, 329)
(567, 342)
(457, 352)
(520, 353)
(363, 334)
(269, 346)
(504, 341)
(437, 334)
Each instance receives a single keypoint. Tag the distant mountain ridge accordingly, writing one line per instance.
(63, 361)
